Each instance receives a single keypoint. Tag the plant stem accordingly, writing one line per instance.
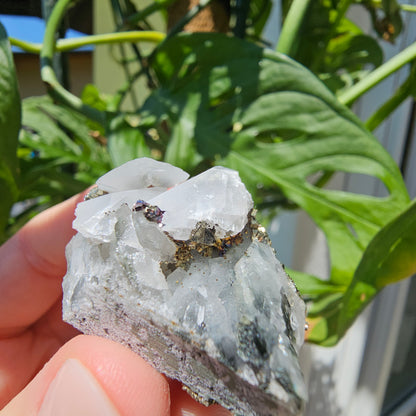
(403, 92)
(65, 45)
(152, 8)
(132, 36)
(60, 60)
(48, 75)
(382, 72)
(408, 7)
(26, 46)
(124, 89)
(292, 26)
(242, 8)
(404, 7)
(58, 12)
(178, 26)
(118, 20)
(341, 10)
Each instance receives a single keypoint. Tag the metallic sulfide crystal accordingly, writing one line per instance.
(180, 272)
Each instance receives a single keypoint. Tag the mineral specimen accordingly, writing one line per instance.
(180, 271)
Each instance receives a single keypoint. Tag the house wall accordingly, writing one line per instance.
(28, 73)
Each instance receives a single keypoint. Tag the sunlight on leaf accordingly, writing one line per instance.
(268, 95)
(390, 257)
(125, 142)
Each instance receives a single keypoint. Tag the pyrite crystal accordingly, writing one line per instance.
(180, 272)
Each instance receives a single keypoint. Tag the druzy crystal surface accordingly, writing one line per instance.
(180, 271)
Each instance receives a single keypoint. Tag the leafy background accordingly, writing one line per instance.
(228, 100)
(9, 127)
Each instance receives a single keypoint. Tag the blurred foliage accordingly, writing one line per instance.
(227, 99)
(9, 130)
(335, 48)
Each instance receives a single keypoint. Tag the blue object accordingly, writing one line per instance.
(32, 29)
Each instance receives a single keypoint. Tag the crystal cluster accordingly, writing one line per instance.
(179, 270)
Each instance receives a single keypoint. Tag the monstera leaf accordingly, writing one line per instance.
(334, 47)
(226, 101)
(9, 129)
(390, 257)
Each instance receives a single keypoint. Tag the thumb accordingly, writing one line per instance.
(95, 377)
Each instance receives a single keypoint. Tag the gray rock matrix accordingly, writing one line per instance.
(179, 270)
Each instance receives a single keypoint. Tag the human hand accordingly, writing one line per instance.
(86, 375)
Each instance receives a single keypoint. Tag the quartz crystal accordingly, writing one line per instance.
(180, 272)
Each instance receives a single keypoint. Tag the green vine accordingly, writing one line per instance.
(371, 80)
(403, 92)
(48, 74)
(408, 8)
(66, 45)
(216, 99)
(49, 47)
(291, 26)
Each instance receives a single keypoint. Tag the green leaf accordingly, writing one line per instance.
(352, 52)
(259, 11)
(314, 33)
(272, 120)
(9, 129)
(311, 287)
(58, 153)
(268, 117)
(92, 97)
(334, 47)
(390, 257)
(9, 105)
(125, 142)
(406, 89)
(52, 139)
(57, 132)
(413, 80)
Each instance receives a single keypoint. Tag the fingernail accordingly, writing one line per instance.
(75, 391)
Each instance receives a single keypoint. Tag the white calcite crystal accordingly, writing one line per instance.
(179, 271)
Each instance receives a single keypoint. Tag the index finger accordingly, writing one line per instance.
(32, 265)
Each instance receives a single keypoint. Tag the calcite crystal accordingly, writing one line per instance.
(180, 271)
